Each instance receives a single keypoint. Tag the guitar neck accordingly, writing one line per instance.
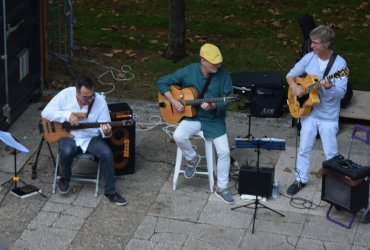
(209, 100)
(317, 84)
(68, 126)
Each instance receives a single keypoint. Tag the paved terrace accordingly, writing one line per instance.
(157, 217)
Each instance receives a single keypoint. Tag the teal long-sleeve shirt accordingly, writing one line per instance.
(213, 121)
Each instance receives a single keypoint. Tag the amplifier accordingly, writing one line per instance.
(120, 111)
(122, 141)
(251, 182)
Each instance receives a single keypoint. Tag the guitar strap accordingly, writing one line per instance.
(204, 90)
(330, 64)
(89, 108)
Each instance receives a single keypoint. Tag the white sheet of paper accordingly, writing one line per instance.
(9, 140)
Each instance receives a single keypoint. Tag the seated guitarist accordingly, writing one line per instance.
(65, 107)
(323, 117)
(210, 117)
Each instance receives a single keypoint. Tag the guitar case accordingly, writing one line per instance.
(265, 89)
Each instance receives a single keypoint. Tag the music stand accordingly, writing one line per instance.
(21, 192)
(258, 143)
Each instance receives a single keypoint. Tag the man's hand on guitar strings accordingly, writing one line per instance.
(325, 83)
(73, 120)
(208, 106)
(297, 90)
(107, 129)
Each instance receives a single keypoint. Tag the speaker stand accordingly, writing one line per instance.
(256, 202)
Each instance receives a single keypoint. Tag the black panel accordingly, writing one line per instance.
(23, 38)
(253, 182)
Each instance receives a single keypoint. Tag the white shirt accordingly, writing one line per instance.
(61, 107)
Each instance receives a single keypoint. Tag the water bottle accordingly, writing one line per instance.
(275, 190)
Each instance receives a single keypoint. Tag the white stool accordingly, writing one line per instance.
(210, 163)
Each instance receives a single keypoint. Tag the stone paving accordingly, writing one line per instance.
(158, 217)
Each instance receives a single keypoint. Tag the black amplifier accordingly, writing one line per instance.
(120, 111)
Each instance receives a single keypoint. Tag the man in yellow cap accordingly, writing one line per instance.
(211, 81)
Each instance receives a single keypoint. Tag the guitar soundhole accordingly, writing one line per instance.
(302, 100)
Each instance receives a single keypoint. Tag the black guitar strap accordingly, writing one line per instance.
(89, 108)
(330, 64)
(204, 90)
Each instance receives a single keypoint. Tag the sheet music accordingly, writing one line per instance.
(264, 142)
(9, 140)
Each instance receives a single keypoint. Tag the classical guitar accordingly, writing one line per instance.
(54, 131)
(188, 97)
(301, 105)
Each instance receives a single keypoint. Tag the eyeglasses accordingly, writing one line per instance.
(315, 42)
(88, 98)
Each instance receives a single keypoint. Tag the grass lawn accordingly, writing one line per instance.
(252, 35)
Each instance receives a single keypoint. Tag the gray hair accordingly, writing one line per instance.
(325, 34)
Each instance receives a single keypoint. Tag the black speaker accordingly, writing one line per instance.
(345, 183)
(251, 182)
(122, 141)
(342, 191)
(267, 92)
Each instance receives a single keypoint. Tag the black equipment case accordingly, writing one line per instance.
(267, 92)
(20, 63)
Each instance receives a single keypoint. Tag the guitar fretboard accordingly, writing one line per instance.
(338, 74)
(209, 100)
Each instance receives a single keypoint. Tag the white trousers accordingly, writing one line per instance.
(328, 134)
(182, 135)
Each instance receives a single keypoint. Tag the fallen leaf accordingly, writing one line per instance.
(129, 51)
(131, 55)
(349, 38)
(144, 59)
(367, 17)
(281, 35)
(287, 170)
(274, 12)
(115, 51)
(276, 24)
(153, 41)
(108, 54)
(229, 17)
(121, 75)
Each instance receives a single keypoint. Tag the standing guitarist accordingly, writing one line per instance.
(211, 81)
(323, 117)
(67, 106)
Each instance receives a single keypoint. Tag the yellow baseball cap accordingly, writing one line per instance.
(211, 53)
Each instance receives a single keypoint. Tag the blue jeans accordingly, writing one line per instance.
(98, 147)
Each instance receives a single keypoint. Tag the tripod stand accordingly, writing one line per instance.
(27, 189)
(258, 143)
(34, 166)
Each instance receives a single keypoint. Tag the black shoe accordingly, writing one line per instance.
(295, 187)
(63, 186)
(116, 198)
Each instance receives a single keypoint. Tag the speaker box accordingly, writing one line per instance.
(251, 182)
(342, 191)
(267, 92)
(122, 141)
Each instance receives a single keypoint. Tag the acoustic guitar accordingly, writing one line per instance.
(188, 97)
(301, 105)
(54, 131)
